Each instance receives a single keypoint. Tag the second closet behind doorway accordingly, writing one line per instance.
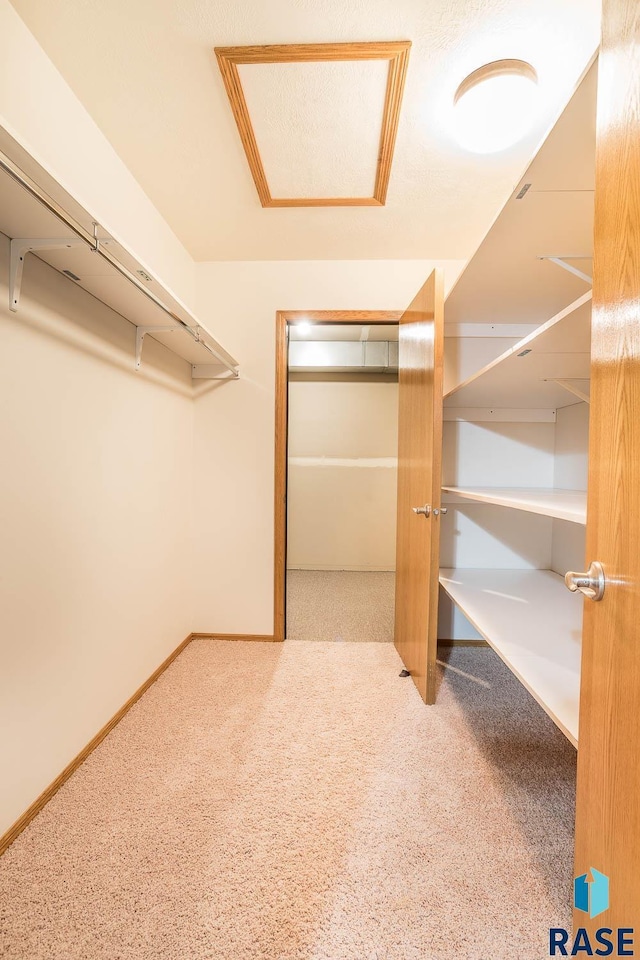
(342, 476)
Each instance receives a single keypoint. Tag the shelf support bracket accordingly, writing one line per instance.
(571, 387)
(211, 371)
(141, 333)
(19, 249)
(561, 262)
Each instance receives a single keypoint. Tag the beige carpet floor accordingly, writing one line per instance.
(346, 605)
(299, 801)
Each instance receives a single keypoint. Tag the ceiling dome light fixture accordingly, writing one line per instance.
(495, 106)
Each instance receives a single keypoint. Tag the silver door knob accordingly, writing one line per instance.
(424, 511)
(442, 510)
(591, 583)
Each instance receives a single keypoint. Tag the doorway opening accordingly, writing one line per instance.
(336, 475)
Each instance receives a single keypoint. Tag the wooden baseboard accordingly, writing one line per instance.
(260, 637)
(269, 638)
(7, 839)
(462, 643)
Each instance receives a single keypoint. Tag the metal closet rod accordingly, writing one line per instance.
(92, 241)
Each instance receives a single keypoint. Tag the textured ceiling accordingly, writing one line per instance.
(317, 125)
(147, 73)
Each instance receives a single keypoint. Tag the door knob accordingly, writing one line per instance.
(425, 511)
(591, 583)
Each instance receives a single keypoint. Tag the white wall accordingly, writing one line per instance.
(571, 447)
(356, 418)
(568, 547)
(498, 454)
(482, 535)
(464, 356)
(342, 484)
(511, 454)
(234, 439)
(95, 513)
(571, 473)
(485, 536)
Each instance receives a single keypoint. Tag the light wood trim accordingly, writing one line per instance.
(397, 53)
(257, 637)
(325, 202)
(280, 483)
(231, 78)
(283, 318)
(314, 52)
(13, 832)
(390, 120)
(420, 365)
(608, 784)
(462, 643)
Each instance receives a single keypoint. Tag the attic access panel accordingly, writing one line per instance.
(326, 114)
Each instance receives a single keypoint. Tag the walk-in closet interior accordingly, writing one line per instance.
(287, 355)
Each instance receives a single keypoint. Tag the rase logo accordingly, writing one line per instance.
(591, 896)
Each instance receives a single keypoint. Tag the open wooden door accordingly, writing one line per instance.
(608, 799)
(420, 363)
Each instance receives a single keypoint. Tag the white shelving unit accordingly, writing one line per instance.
(525, 613)
(568, 505)
(534, 624)
(536, 371)
(515, 437)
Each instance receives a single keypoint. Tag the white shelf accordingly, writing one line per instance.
(535, 625)
(527, 374)
(115, 276)
(562, 504)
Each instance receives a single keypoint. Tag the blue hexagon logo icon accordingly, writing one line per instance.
(591, 892)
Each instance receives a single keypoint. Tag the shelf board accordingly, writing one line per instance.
(527, 374)
(562, 504)
(535, 625)
(21, 215)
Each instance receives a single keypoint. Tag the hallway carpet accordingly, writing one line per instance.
(298, 800)
(351, 605)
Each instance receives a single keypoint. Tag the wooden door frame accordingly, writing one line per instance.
(283, 319)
